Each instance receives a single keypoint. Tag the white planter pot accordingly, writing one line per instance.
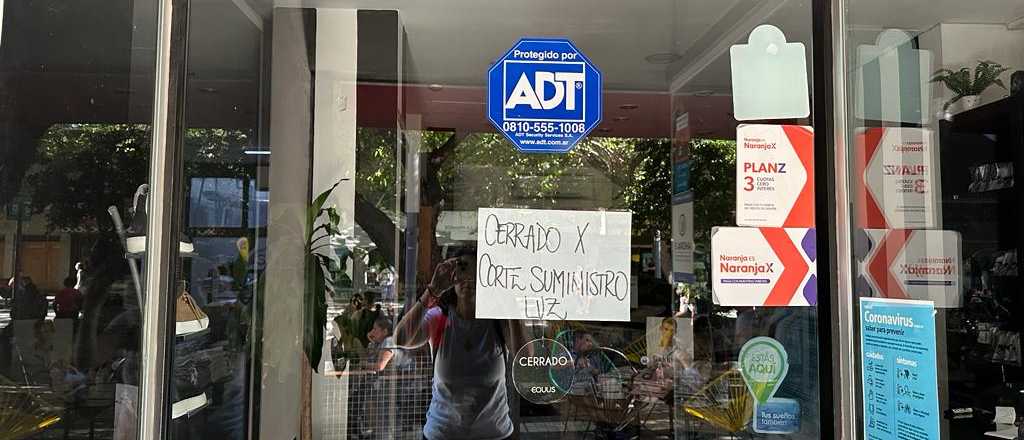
(969, 102)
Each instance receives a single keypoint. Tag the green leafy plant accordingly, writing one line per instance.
(321, 225)
(963, 83)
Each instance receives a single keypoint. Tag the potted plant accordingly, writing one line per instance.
(967, 86)
(321, 225)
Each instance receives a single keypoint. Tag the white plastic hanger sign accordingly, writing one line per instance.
(892, 79)
(769, 77)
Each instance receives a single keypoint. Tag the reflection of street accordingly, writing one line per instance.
(5, 314)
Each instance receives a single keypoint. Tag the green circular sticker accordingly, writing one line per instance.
(764, 364)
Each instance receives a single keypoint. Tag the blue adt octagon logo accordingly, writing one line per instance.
(544, 95)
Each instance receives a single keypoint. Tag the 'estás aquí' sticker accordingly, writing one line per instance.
(764, 364)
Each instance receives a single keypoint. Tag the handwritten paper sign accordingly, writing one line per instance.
(553, 265)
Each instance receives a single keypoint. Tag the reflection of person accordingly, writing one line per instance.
(381, 351)
(666, 342)
(589, 363)
(239, 267)
(79, 268)
(68, 301)
(29, 303)
(583, 346)
(469, 396)
(347, 343)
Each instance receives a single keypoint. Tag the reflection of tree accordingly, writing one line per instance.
(713, 178)
(77, 170)
(81, 169)
(639, 171)
(73, 172)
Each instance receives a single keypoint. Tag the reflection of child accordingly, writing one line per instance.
(381, 350)
(588, 364)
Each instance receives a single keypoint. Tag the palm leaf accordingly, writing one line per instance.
(318, 205)
(315, 307)
(314, 300)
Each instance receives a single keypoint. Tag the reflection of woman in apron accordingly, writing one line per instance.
(469, 395)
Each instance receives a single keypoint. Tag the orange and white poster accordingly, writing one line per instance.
(907, 264)
(896, 179)
(764, 266)
(775, 176)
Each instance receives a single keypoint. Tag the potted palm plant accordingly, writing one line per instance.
(967, 86)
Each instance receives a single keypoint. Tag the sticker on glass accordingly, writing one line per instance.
(764, 266)
(892, 79)
(764, 364)
(774, 176)
(544, 95)
(543, 371)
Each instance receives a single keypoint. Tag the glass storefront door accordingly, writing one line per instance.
(441, 220)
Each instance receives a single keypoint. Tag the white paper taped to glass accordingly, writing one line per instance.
(553, 265)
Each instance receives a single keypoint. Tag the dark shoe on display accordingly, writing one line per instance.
(191, 379)
(135, 243)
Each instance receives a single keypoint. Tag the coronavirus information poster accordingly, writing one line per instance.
(898, 364)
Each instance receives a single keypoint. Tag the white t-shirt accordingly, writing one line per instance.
(399, 359)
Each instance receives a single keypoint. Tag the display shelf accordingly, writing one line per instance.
(980, 119)
(989, 221)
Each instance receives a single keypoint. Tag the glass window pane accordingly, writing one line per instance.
(76, 83)
(344, 173)
(935, 134)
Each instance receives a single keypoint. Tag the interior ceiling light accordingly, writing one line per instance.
(208, 90)
(704, 93)
(435, 87)
(604, 130)
(620, 118)
(663, 58)
(629, 106)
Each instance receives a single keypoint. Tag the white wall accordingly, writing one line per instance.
(291, 118)
(334, 158)
(334, 113)
(966, 44)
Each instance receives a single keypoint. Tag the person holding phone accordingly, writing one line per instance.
(469, 396)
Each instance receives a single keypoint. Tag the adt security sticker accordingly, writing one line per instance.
(544, 95)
